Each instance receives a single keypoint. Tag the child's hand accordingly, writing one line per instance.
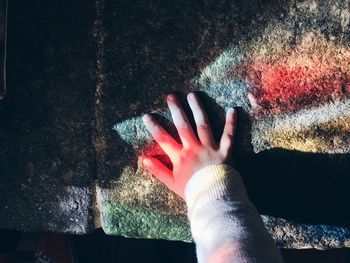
(193, 154)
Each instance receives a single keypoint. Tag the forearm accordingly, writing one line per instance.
(225, 225)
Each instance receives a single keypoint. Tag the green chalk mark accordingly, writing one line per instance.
(132, 221)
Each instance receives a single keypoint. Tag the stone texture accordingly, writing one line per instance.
(292, 147)
(46, 118)
(81, 75)
(3, 11)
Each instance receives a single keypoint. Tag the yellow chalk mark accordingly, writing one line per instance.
(330, 137)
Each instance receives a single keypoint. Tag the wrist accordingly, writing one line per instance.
(213, 182)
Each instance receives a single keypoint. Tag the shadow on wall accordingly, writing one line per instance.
(46, 156)
(307, 187)
(155, 48)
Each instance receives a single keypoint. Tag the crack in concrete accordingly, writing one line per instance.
(98, 140)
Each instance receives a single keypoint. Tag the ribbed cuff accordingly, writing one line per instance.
(212, 182)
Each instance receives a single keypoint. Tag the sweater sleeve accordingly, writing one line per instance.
(225, 225)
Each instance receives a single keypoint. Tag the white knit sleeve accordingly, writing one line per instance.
(225, 225)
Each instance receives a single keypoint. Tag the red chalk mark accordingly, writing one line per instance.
(347, 87)
(280, 88)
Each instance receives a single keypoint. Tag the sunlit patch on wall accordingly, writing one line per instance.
(308, 74)
(295, 86)
(323, 129)
(331, 137)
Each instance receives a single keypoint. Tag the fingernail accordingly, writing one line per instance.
(191, 96)
(171, 97)
(231, 111)
(146, 117)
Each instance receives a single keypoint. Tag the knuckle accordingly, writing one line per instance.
(188, 154)
(153, 125)
(230, 133)
(223, 155)
(161, 138)
(230, 136)
(203, 126)
(182, 125)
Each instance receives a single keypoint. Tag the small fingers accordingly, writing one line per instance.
(227, 137)
(203, 127)
(181, 122)
(160, 171)
(161, 136)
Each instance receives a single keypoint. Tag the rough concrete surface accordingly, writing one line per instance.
(46, 118)
(73, 139)
(292, 148)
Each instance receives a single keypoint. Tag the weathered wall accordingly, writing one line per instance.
(81, 75)
(293, 141)
(46, 124)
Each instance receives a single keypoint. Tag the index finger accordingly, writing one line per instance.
(161, 136)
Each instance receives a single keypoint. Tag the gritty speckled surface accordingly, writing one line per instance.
(231, 50)
(47, 158)
(82, 74)
(146, 223)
